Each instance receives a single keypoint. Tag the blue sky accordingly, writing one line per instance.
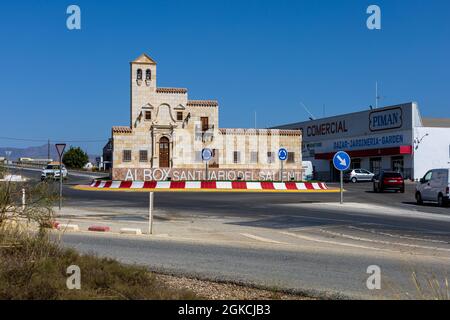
(263, 56)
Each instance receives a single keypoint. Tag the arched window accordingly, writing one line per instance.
(139, 74)
(148, 74)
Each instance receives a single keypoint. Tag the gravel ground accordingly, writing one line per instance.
(224, 291)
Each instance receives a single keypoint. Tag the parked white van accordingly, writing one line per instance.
(434, 186)
(308, 173)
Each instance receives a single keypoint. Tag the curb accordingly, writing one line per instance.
(209, 186)
(99, 229)
(67, 227)
(135, 231)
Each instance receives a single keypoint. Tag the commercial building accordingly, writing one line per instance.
(168, 131)
(391, 138)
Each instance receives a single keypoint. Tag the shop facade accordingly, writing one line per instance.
(393, 138)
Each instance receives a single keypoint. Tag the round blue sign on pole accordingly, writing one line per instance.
(282, 154)
(206, 154)
(341, 161)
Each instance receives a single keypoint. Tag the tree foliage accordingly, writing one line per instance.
(75, 158)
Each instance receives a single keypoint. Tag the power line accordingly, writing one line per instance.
(46, 140)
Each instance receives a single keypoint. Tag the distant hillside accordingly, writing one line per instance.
(40, 152)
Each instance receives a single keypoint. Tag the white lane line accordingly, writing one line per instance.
(383, 242)
(251, 236)
(397, 236)
(344, 244)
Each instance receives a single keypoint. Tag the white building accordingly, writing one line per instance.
(390, 138)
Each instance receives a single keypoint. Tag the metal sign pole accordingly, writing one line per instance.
(281, 171)
(150, 213)
(341, 162)
(206, 156)
(60, 148)
(60, 182)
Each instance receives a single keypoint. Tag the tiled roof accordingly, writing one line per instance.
(202, 103)
(171, 90)
(121, 129)
(261, 132)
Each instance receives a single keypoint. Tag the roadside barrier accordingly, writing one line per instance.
(195, 186)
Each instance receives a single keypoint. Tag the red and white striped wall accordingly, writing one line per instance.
(219, 186)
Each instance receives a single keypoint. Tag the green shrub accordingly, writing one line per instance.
(75, 158)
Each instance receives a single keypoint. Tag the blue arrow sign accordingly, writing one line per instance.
(282, 154)
(206, 154)
(341, 161)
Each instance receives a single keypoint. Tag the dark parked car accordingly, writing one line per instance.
(388, 180)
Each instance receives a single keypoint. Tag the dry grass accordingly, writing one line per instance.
(33, 267)
(430, 287)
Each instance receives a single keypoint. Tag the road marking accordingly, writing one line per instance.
(344, 244)
(383, 242)
(251, 236)
(398, 236)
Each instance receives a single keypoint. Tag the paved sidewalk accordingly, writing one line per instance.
(223, 230)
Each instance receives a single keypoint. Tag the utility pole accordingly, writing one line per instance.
(377, 97)
(48, 149)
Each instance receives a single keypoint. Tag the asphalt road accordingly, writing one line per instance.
(236, 203)
(320, 272)
(308, 244)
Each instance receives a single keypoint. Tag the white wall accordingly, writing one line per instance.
(433, 152)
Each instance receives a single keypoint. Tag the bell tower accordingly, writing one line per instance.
(142, 84)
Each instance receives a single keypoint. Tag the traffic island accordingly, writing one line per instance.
(208, 186)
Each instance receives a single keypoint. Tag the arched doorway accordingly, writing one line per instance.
(164, 152)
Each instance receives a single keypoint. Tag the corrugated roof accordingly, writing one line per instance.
(436, 122)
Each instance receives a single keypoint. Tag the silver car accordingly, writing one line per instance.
(356, 175)
(52, 171)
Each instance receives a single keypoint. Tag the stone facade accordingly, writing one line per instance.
(168, 131)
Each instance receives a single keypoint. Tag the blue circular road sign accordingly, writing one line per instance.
(282, 154)
(206, 154)
(341, 161)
